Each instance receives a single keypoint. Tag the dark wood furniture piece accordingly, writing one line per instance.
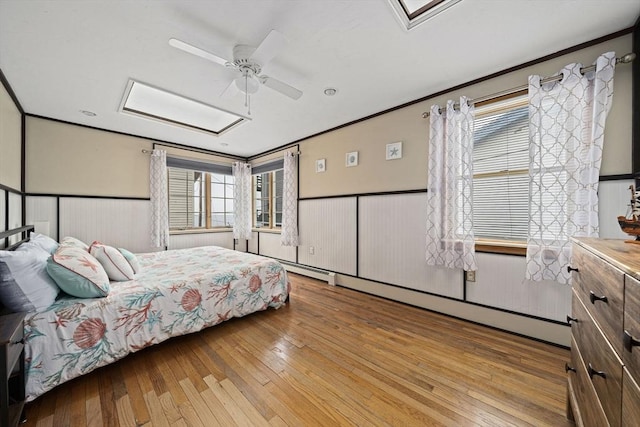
(12, 373)
(604, 371)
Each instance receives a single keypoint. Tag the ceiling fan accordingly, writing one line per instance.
(248, 62)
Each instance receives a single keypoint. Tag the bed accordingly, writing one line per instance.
(175, 292)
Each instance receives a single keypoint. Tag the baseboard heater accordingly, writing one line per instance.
(316, 273)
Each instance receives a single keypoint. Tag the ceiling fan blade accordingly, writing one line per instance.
(178, 44)
(281, 87)
(270, 47)
(230, 91)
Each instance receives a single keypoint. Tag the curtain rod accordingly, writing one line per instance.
(624, 59)
(297, 153)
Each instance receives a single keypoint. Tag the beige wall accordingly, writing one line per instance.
(67, 159)
(10, 141)
(369, 138)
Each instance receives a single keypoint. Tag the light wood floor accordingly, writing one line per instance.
(331, 357)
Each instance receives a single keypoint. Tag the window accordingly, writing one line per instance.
(501, 172)
(267, 199)
(199, 199)
(157, 104)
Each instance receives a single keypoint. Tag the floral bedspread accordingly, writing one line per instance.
(175, 293)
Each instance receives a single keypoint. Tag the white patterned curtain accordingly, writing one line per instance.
(566, 132)
(159, 194)
(450, 240)
(289, 232)
(242, 201)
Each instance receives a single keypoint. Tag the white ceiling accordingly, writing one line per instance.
(61, 57)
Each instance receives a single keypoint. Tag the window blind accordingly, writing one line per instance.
(501, 178)
(197, 165)
(268, 167)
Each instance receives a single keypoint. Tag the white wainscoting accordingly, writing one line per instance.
(613, 201)
(241, 244)
(270, 246)
(43, 210)
(15, 215)
(2, 212)
(115, 222)
(182, 241)
(252, 244)
(329, 227)
(500, 283)
(392, 245)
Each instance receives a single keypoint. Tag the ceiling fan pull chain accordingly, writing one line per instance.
(247, 96)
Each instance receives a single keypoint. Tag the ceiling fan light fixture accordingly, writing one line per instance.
(247, 84)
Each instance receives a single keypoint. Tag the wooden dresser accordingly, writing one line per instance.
(604, 371)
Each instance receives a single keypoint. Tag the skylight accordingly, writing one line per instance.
(414, 12)
(153, 103)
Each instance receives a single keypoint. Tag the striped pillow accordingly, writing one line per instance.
(114, 262)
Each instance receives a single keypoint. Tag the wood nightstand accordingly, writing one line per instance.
(12, 374)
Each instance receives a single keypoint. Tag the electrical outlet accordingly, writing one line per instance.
(471, 276)
(312, 250)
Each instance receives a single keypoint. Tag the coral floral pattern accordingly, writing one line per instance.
(175, 293)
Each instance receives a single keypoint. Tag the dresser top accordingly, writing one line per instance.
(625, 256)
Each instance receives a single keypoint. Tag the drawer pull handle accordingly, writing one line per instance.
(571, 319)
(568, 368)
(593, 372)
(570, 269)
(593, 298)
(629, 341)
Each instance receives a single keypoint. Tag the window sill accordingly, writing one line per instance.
(200, 231)
(501, 247)
(267, 230)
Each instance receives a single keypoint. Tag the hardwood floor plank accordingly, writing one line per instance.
(126, 416)
(134, 392)
(190, 416)
(254, 417)
(107, 401)
(203, 408)
(155, 410)
(78, 404)
(94, 412)
(332, 356)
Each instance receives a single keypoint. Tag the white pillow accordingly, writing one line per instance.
(78, 273)
(24, 282)
(42, 241)
(113, 261)
(73, 242)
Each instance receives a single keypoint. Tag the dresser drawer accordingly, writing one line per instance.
(602, 364)
(584, 402)
(630, 399)
(600, 286)
(631, 338)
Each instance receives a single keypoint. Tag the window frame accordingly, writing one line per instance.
(272, 198)
(500, 246)
(207, 196)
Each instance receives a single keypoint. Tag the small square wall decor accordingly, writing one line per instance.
(321, 165)
(352, 159)
(394, 151)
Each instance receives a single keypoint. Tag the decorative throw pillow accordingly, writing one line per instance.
(78, 273)
(24, 282)
(42, 241)
(73, 242)
(114, 262)
(131, 259)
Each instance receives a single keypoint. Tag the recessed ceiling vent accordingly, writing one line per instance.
(412, 13)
